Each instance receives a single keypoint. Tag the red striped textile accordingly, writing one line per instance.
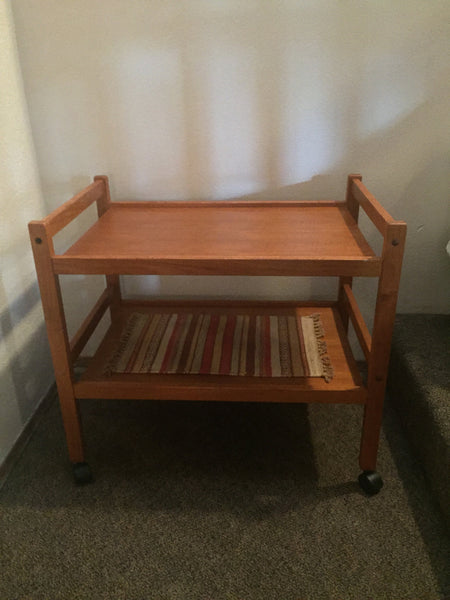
(222, 344)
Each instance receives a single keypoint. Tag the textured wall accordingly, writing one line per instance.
(25, 369)
(221, 99)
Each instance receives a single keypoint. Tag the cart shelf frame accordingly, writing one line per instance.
(296, 238)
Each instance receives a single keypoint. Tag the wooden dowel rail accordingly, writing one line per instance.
(179, 265)
(87, 328)
(226, 203)
(64, 214)
(192, 303)
(361, 330)
(376, 213)
(112, 281)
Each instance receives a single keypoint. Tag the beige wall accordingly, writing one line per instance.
(25, 369)
(224, 98)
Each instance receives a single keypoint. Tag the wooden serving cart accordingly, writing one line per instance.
(294, 238)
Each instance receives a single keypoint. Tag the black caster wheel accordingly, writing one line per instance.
(370, 482)
(82, 473)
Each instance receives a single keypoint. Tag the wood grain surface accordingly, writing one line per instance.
(227, 238)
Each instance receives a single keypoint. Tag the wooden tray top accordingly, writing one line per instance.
(285, 238)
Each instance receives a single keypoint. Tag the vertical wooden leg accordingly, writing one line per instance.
(57, 336)
(379, 355)
(353, 209)
(81, 471)
(369, 480)
(373, 416)
(72, 425)
(113, 284)
(341, 301)
(112, 281)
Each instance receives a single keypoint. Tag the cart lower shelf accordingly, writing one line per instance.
(345, 387)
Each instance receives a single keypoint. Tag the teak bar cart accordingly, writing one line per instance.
(319, 238)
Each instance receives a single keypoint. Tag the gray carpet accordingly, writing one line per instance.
(419, 386)
(219, 501)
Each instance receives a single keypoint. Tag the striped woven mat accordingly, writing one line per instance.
(227, 344)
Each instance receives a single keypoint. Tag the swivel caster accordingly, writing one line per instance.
(370, 482)
(82, 473)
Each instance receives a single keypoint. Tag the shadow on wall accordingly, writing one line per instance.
(231, 99)
(26, 350)
(223, 99)
(318, 187)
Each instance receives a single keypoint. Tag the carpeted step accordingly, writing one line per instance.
(419, 389)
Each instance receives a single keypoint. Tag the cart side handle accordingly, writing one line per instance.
(358, 193)
(98, 191)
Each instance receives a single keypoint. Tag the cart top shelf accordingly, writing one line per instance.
(222, 238)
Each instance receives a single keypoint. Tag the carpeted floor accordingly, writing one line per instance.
(419, 385)
(219, 502)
